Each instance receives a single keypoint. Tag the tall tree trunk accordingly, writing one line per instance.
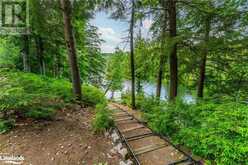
(70, 42)
(55, 65)
(160, 76)
(162, 55)
(200, 90)
(139, 86)
(173, 54)
(138, 75)
(25, 54)
(132, 55)
(40, 51)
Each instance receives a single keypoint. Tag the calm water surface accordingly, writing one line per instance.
(149, 89)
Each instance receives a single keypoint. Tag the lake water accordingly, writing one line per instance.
(149, 89)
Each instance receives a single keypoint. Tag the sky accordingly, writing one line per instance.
(114, 32)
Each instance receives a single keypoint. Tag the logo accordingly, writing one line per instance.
(14, 17)
(11, 159)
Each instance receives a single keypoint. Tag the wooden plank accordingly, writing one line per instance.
(116, 111)
(127, 116)
(126, 122)
(121, 115)
(139, 137)
(124, 119)
(188, 161)
(133, 128)
(149, 148)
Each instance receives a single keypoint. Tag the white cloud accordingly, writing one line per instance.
(111, 38)
(106, 30)
(107, 48)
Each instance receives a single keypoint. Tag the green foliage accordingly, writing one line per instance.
(103, 119)
(9, 53)
(25, 90)
(21, 91)
(92, 95)
(6, 125)
(142, 102)
(38, 113)
(115, 70)
(146, 61)
(30, 95)
(126, 98)
(217, 132)
(38, 97)
(47, 34)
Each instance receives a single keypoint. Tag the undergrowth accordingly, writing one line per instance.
(33, 96)
(6, 125)
(103, 119)
(93, 96)
(45, 113)
(216, 131)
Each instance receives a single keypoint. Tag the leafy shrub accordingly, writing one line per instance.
(149, 104)
(60, 89)
(215, 131)
(126, 99)
(21, 89)
(12, 98)
(6, 125)
(9, 53)
(34, 96)
(92, 95)
(30, 95)
(43, 86)
(103, 119)
(41, 113)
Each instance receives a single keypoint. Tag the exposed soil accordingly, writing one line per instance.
(68, 140)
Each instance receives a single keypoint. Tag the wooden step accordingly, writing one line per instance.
(116, 111)
(187, 161)
(149, 148)
(140, 137)
(126, 122)
(139, 145)
(124, 119)
(133, 128)
(121, 115)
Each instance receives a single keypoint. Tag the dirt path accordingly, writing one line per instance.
(149, 149)
(66, 141)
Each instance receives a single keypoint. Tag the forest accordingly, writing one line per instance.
(187, 79)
